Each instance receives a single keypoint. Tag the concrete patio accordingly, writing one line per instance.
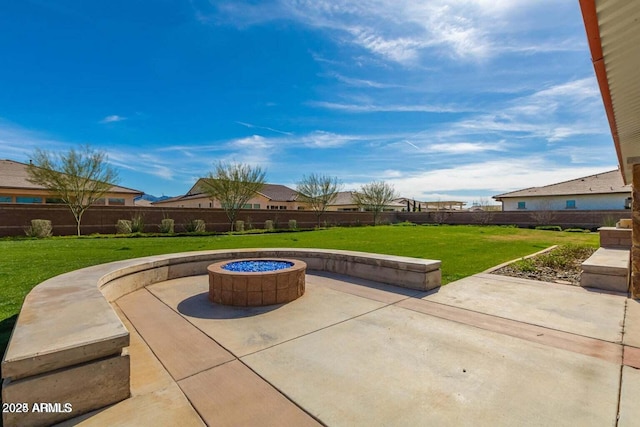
(485, 350)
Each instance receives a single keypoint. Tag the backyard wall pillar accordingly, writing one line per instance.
(635, 234)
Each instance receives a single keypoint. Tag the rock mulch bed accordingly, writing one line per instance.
(561, 265)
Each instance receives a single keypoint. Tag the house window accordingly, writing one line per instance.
(522, 205)
(53, 200)
(247, 206)
(99, 201)
(256, 206)
(627, 203)
(23, 199)
(5, 199)
(571, 204)
(116, 201)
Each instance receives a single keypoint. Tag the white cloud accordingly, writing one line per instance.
(371, 108)
(252, 126)
(404, 31)
(112, 119)
(362, 82)
(255, 142)
(465, 147)
(322, 139)
(496, 176)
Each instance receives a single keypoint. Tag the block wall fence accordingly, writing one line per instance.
(14, 219)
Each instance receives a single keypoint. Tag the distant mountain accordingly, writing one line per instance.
(152, 198)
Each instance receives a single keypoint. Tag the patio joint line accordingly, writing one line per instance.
(622, 365)
(557, 332)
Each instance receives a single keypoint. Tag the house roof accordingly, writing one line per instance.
(614, 36)
(345, 198)
(14, 175)
(601, 183)
(273, 192)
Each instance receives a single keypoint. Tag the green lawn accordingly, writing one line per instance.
(463, 250)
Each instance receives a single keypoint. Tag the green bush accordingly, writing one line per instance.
(39, 228)
(195, 226)
(166, 225)
(239, 226)
(137, 224)
(526, 265)
(293, 224)
(576, 230)
(549, 227)
(123, 226)
(405, 224)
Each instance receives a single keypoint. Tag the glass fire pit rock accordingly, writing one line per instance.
(256, 282)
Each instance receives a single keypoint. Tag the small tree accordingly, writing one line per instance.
(319, 191)
(233, 184)
(78, 178)
(374, 197)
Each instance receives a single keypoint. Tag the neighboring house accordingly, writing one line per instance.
(16, 188)
(412, 205)
(271, 196)
(603, 191)
(345, 202)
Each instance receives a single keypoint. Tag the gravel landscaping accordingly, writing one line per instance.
(560, 265)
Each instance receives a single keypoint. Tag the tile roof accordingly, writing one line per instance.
(601, 183)
(14, 175)
(273, 192)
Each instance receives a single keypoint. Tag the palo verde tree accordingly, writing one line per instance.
(374, 197)
(319, 191)
(78, 178)
(233, 184)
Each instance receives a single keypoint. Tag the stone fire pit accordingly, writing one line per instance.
(256, 282)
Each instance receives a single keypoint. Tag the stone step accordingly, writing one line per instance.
(606, 269)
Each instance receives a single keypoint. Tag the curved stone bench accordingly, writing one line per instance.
(69, 346)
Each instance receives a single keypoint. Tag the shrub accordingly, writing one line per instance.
(195, 226)
(166, 225)
(293, 224)
(137, 224)
(609, 221)
(576, 230)
(239, 226)
(39, 228)
(248, 223)
(549, 227)
(405, 224)
(123, 226)
(526, 265)
(268, 225)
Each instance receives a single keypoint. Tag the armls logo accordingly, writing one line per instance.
(52, 407)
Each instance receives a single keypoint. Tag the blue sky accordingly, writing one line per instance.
(444, 99)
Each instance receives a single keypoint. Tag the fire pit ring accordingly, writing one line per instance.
(256, 282)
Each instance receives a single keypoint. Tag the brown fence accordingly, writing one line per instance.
(565, 219)
(14, 219)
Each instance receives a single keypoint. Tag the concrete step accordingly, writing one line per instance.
(606, 269)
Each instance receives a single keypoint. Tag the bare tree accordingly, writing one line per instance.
(79, 178)
(233, 184)
(319, 191)
(374, 197)
(483, 210)
(544, 214)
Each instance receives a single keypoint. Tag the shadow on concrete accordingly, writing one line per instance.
(199, 306)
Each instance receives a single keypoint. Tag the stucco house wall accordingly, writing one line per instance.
(601, 191)
(616, 201)
(15, 188)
